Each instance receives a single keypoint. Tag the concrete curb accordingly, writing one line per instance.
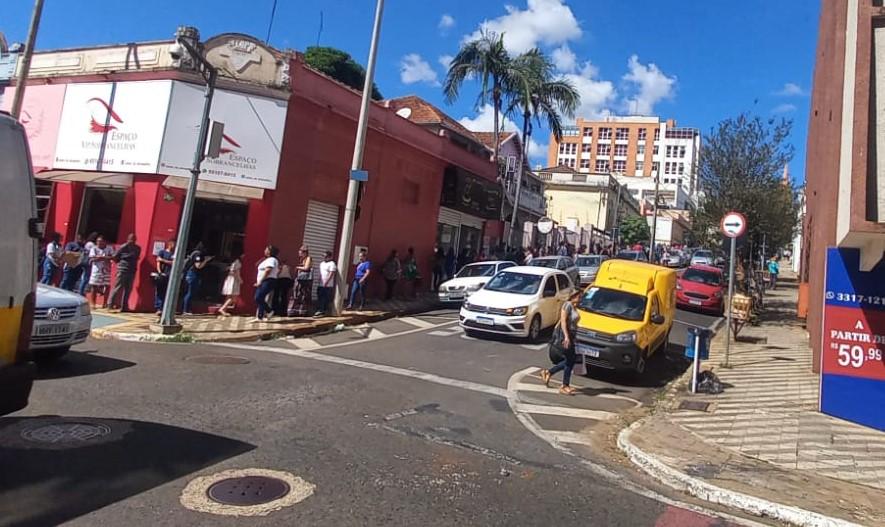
(750, 504)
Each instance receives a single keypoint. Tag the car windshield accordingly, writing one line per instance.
(702, 277)
(516, 283)
(472, 271)
(544, 262)
(628, 255)
(587, 261)
(703, 254)
(612, 303)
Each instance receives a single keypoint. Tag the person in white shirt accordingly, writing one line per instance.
(326, 289)
(52, 261)
(268, 270)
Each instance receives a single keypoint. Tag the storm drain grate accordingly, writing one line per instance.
(218, 359)
(246, 491)
(66, 433)
(698, 406)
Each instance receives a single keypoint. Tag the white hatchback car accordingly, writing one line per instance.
(470, 279)
(61, 320)
(519, 301)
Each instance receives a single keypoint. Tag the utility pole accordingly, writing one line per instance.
(616, 229)
(25, 68)
(356, 164)
(654, 223)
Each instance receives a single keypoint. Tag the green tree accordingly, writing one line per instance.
(634, 229)
(740, 168)
(486, 60)
(340, 66)
(535, 93)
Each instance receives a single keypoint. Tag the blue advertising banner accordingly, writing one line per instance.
(853, 350)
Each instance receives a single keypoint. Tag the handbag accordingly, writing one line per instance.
(555, 350)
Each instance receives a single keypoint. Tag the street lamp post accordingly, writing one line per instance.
(188, 40)
(25, 69)
(356, 164)
(654, 223)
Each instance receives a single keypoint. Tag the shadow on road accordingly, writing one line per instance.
(662, 368)
(78, 363)
(59, 468)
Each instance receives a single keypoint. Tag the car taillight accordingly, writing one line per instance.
(25, 328)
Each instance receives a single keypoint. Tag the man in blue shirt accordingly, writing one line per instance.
(773, 270)
(161, 277)
(73, 270)
(363, 270)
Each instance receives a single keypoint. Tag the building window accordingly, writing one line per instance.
(571, 149)
(562, 148)
(622, 133)
(588, 132)
(619, 166)
(605, 133)
(602, 165)
(655, 150)
(669, 152)
(681, 151)
(585, 163)
(680, 168)
(571, 163)
(561, 161)
(620, 150)
(640, 150)
(668, 168)
(640, 165)
(657, 133)
(586, 148)
(603, 150)
(643, 132)
(655, 167)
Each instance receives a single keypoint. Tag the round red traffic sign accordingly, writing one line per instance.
(733, 224)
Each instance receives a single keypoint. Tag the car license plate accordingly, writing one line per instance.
(695, 302)
(587, 350)
(485, 321)
(52, 329)
(456, 297)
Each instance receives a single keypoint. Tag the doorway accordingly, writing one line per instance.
(221, 226)
(101, 212)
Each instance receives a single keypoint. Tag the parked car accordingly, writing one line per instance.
(672, 259)
(61, 320)
(701, 287)
(470, 279)
(636, 256)
(702, 257)
(519, 301)
(626, 315)
(588, 266)
(561, 263)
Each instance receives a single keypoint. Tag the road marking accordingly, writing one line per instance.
(375, 333)
(383, 368)
(446, 332)
(535, 347)
(304, 343)
(529, 387)
(564, 411)
(417, 322)
(575, 438)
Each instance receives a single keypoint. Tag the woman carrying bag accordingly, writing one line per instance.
(562, 345)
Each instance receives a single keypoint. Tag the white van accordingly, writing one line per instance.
(19, 232)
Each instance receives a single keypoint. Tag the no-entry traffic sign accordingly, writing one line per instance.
(733, 224)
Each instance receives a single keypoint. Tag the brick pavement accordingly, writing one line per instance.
(763, 436)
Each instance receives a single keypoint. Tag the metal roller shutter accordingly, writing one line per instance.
(449, 217)
(320, 233)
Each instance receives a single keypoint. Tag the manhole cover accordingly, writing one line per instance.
(698, 406)
(66, 433)
(246, 491)
(218, 359)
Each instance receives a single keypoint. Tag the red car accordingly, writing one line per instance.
(701, 287)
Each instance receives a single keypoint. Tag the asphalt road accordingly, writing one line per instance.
(398, 423)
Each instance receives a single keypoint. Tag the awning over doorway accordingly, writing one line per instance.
(213, 190)
(103, 178)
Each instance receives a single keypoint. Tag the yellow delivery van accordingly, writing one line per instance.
(626, 315)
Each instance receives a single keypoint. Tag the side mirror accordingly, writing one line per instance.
(657, 319)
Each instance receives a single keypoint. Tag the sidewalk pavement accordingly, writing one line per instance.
(211, 328)
(761, 445)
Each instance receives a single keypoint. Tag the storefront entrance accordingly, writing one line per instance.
(101, 212)
(221, 226)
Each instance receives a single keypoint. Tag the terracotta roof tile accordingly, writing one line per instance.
(488, 138)
(425, 113)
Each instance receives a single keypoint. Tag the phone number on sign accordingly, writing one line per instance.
(854, 356)
(856, 299)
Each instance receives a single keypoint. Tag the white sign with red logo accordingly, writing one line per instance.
(733, 224)
(113, 127)
(250, 147)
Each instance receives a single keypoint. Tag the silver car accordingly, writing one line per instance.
(561, 263)
(588, 266)
(61, 320)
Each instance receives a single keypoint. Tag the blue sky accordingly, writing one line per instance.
(696, 61)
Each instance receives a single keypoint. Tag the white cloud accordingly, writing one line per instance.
(784, 108)
(790, 90)
(484, 121)
(564, 59)
(413, 68)
(549, 22)
(537, 152)
(446, 22)
(445, 60)
(651, 86)
(596, 94)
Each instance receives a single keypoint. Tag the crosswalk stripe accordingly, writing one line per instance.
(446, 332)
(563, 411)
(563, 436)
(540, 388)
(535, 347)
(375, 333)
(417, 322)
(304, 343)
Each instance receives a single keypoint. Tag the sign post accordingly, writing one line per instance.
(733, 225)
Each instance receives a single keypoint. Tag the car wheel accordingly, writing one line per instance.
(45, 357)
(535, 328)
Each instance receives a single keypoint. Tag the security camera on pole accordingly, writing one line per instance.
(733, 225)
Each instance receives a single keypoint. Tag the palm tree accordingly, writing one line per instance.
(538, 95)
(486, 60)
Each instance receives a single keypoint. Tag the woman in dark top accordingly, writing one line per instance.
(568, 326)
